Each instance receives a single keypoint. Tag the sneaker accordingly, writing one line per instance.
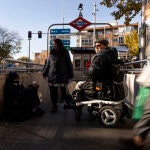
(129, 143)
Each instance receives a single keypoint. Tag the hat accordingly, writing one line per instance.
(103, 41)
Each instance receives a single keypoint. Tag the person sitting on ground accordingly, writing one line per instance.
(20, 102)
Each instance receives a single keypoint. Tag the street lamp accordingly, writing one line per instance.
(94, 14)
(80, 8)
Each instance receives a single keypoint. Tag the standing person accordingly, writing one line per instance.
(59, 70)
(140, 130)
(21, 103)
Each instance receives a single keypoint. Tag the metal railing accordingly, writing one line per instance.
(129, 67)
(135, 67)
(20, 66)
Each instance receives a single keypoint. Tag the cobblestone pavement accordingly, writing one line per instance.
(60, 131)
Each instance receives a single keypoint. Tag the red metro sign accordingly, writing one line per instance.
(80, 23)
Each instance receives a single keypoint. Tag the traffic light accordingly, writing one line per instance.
(29, 34)
(39, 34)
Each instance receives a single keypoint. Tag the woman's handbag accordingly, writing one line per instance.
(143, 94)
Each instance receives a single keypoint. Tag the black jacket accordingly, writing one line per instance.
(58, 69)
(19, 101)
(101, 65)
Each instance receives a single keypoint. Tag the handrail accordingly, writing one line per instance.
(135, 70)
(29, 66)
(137, 62)
(18, 61)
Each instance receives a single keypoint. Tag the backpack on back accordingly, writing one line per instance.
(118, 87)
(117, 76)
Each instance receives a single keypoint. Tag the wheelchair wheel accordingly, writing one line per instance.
(108, 116)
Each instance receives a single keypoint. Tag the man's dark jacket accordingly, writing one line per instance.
(101, 65)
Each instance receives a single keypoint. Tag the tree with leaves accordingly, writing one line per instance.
(8, 43)
(24, 58)
(124, 8)
(131, 40)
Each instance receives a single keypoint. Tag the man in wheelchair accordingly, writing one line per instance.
(104, 80)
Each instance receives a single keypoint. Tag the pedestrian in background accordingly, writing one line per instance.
(142, 127)
(141, 113)
(88, 62)
(58, 70)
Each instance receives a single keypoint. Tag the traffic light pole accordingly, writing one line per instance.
(29, 49)
(30, 37)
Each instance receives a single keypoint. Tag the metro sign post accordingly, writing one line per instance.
(63, 34)
(60, 31)
(80, 23)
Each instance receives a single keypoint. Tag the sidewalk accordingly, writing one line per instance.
(60, 131)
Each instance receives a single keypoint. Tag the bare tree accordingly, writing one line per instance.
(8, 43)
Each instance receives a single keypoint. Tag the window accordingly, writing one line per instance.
(122, 29)
(128, 29)
(87, 42)
(121, 40)
(107, 31)
(115, 40)
(100, 32)
(115, 32)
(77, 63)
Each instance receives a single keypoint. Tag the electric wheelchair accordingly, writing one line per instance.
(104, 100)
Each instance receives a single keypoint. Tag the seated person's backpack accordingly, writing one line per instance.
(117, 84)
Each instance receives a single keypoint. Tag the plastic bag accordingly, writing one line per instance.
(143, 94)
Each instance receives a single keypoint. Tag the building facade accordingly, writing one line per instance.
(40, 57)
(85, 45)
(84, 49)
(114, 34)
